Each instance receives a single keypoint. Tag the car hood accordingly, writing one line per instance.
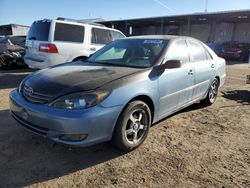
(74, 77)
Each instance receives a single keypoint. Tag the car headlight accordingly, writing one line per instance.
(80, 100)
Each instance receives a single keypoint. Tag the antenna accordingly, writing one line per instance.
(206, 6)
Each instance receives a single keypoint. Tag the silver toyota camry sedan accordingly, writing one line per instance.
(119, 92)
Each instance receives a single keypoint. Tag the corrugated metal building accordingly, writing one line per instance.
(208, 27)
(14, 29)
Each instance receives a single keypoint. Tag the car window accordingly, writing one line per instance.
(197, 51)
(114, 52)
(69, 33)
(178, 51)
(208, 55)
(100, 36)
(17, 40)
(140, 53)
(116, 35)
(39, 30)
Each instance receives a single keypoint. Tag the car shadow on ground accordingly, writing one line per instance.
(11, 78)
(240, 96)
(26, 159)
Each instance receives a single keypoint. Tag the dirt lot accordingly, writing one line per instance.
(198, 147)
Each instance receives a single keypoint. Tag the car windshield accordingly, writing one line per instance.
(140, 53)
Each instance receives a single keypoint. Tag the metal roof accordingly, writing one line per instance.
(198, 14)
(14, 25)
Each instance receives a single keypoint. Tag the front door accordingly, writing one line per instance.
(176, 85)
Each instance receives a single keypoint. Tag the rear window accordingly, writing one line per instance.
(100, 36)
(69, 33)
(197, 51)
(116, 35)
(39, 30)
(17, 40)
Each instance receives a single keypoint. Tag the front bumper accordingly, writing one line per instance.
(96, 122)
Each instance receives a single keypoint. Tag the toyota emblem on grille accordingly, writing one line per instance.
(29, 90)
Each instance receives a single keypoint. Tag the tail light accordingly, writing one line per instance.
(48, 48)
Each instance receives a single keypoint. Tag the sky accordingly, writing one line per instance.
(24, 12)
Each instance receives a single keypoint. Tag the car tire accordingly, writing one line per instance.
(132, 126)
(212, 93)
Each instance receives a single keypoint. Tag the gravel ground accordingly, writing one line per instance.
(197, 147)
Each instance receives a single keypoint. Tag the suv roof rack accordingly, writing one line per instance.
(86, 21)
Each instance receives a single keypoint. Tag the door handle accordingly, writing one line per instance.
(212, 66)
(190, 72)
(92, 49)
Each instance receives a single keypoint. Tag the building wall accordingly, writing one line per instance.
(199, 31)
(209, 32)
(242, 32)
(223, 32)
(5, 31)
(19, 30)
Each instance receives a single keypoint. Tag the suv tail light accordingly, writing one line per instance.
(48, 48)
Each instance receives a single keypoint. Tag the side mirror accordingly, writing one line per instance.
(172, 64)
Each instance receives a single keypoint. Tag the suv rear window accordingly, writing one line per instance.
(116, 35)
(39, 30)
(100, 36)
(69, 33)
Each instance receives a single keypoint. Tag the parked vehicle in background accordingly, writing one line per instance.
(119, 91)
(52, 42)
(12, 50)
(216, 47)
(235, 50)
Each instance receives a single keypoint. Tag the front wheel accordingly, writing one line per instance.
(132, 126)
(212, 93)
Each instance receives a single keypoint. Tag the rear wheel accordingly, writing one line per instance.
(132, 126)
(212, 93)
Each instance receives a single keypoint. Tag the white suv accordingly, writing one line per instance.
(52, 42)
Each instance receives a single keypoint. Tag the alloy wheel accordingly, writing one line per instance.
(137, 126)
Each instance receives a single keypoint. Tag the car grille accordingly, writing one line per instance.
(34, 97)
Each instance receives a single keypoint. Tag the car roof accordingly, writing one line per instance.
(161, 37)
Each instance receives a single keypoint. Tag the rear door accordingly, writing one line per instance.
(204, 68)
(99, 37)
(70, 40)
(176, 85)
(38, 33)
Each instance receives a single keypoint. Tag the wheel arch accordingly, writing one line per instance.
(218, 78)
(144, 98)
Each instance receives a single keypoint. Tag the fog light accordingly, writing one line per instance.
(73, 137)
